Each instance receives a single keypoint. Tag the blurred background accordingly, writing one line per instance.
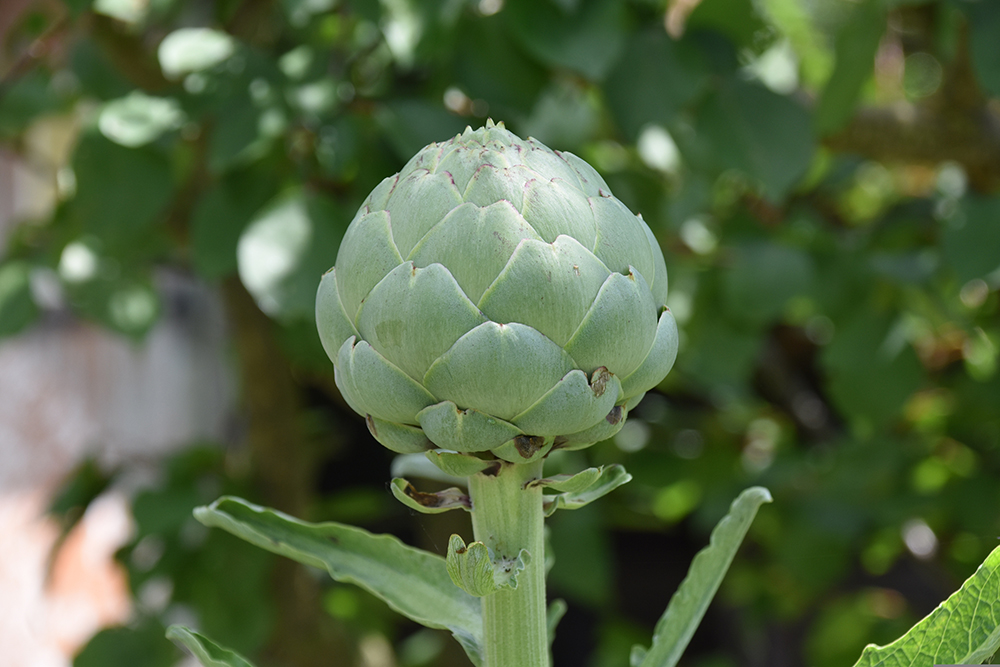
(175, 176)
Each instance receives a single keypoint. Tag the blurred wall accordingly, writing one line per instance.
(69, 391)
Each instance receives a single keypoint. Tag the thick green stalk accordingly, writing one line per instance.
(507, 518)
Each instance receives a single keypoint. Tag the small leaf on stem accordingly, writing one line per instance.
(429, 503)
(477, 571)
(607, 480)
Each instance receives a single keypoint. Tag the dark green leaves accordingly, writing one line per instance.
(856, 44)
(761, 280)
(583, 36)
(984, 25)
(765, 135)
(140, 646)
(121, 191)
(972, 238)
(872, 369)
(17, 307)
(653, 80)
(221, 215)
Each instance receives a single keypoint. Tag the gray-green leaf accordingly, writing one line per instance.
(608, 479)
(413, 582)
(570, 483)
(207, 651)
(688, 605)
(963, 630)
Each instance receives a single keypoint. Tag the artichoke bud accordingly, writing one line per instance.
(494, 296)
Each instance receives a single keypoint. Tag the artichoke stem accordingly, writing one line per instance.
(508, 517)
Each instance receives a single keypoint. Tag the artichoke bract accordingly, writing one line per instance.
(494, 296)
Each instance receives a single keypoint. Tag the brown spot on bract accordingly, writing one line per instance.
(425, 499)
(492, 469)
(528, 445)
(371, 426)
(615, 415)
(599, 380)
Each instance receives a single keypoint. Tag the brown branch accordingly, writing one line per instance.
(282, 464)
(923, 135)
(958, 123)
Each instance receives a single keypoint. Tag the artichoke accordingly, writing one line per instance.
(494, 296)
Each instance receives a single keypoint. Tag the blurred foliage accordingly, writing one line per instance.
(823, 177)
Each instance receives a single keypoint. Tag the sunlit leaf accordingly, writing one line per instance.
(192, 49)
(221, 215)
(138, 119)
(285, 250)
(963, 630)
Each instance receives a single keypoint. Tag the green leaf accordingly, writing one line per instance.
(413, 582)
(984, 25)
(17, 307)
(736, 19)
(209, 653)
(972, 237)
(409, 125)
(429, 503)
(132, 13)
(492, 68)
(653, 80)
(25, 99)
(609, 479)
(141, 645)
(748, 127)
(855, 47)
(872, 370)
(963, 630)
(221, 215)
(555, 612)
(127, 303)
(688, 605)
(283, 252)
(587, 38)
(570, 483)
(120, 191)
(762, 279)
(139, 119)
(193, 49)
(475, 569)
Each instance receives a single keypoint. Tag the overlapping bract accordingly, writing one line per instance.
(494, 295)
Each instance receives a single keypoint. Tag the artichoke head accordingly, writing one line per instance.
(494, 296)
